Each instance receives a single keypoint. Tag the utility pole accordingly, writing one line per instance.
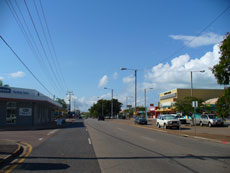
(112, 105)
(70, 93)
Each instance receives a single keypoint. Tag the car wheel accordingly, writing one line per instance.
(209, 124)
(158, 125)
(201, 124)
(165, 126)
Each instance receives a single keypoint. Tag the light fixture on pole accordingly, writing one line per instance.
(135, 74)
(145, 90)
(201, 71)
(111, 100)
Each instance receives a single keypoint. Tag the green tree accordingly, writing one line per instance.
(1, 83)
(223, 104)
(222, 70)
(185, 105)
(222, 74)
(62, 102)
(96, 109)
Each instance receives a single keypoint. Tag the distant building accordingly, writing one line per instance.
(25, 107)
(169, 98)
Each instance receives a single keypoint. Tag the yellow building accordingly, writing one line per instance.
(169, 98)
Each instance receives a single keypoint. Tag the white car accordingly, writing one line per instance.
(167, 121)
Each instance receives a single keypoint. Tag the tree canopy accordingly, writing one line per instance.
(62, 102)
(223, 104)
(222, 70)
(96, 109)
(185, 105)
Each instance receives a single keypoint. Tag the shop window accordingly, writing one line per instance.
(11, 113)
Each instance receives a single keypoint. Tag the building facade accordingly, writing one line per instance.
(169, 98)
(25, 107)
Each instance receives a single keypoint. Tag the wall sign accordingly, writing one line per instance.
(5, 90)
(25, 111)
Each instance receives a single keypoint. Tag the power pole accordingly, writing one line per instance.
(70, 93)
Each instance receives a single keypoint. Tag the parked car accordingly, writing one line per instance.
(181, 118)
(211, 120)
(167, 121)
(141, 120)
(101, 118)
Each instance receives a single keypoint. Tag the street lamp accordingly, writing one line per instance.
(135, 74)
(101, 106)
(111, 100)
(201, 71)
(127, 100)
(145, 90)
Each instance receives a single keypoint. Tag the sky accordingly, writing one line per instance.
(80, 46)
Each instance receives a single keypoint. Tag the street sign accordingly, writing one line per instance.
(195, 104)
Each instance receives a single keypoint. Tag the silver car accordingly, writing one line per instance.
(210, 120)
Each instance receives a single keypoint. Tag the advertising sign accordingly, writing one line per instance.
(25, 111)
(5, 90)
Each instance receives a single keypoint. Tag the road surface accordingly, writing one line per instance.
(103, 146)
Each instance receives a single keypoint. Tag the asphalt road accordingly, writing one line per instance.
(123, 148)
(68, 150)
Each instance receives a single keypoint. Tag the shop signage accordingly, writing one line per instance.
(25, 111)
(5, 90)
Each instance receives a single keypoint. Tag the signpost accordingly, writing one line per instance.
(195, 105)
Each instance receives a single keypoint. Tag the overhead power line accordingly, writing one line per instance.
(21, 61)
(197, 35)
(29, 39)
(51, 41)
(48, 45)
(42, 46)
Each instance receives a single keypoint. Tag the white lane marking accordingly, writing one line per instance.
(120, 129)
(86, 129)
(40, 139)
(150, 139)
(89, 141)
(51, 132)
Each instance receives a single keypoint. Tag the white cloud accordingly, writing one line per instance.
(115, 75)
(1, 78)
(177, 73)
(18, 74)
(196, 41)
(103, 81)
(128, 79)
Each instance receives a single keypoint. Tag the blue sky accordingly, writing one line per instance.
(93, 39)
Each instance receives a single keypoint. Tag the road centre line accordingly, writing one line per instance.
(40, 139)
(51, 132)
(89, 141)
(150, 139)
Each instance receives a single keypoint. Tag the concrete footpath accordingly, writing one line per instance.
(218, 134)
(9, 149)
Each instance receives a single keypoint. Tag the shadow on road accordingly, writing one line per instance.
(42, 166)
(76, 124)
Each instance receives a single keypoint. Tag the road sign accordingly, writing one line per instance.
(195, 104)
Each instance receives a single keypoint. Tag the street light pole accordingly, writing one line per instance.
(201, 71)
(146, 114)
(135, 74)
(135, 71)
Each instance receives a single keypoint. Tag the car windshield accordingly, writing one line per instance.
(212, 116)
(169, 117)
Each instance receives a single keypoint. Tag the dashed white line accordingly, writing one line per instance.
(150, 139)
(40, 139)
(51, 132)
(89, 141)
(86, 129)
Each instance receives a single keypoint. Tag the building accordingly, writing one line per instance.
(169, 98)
(25, 107)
